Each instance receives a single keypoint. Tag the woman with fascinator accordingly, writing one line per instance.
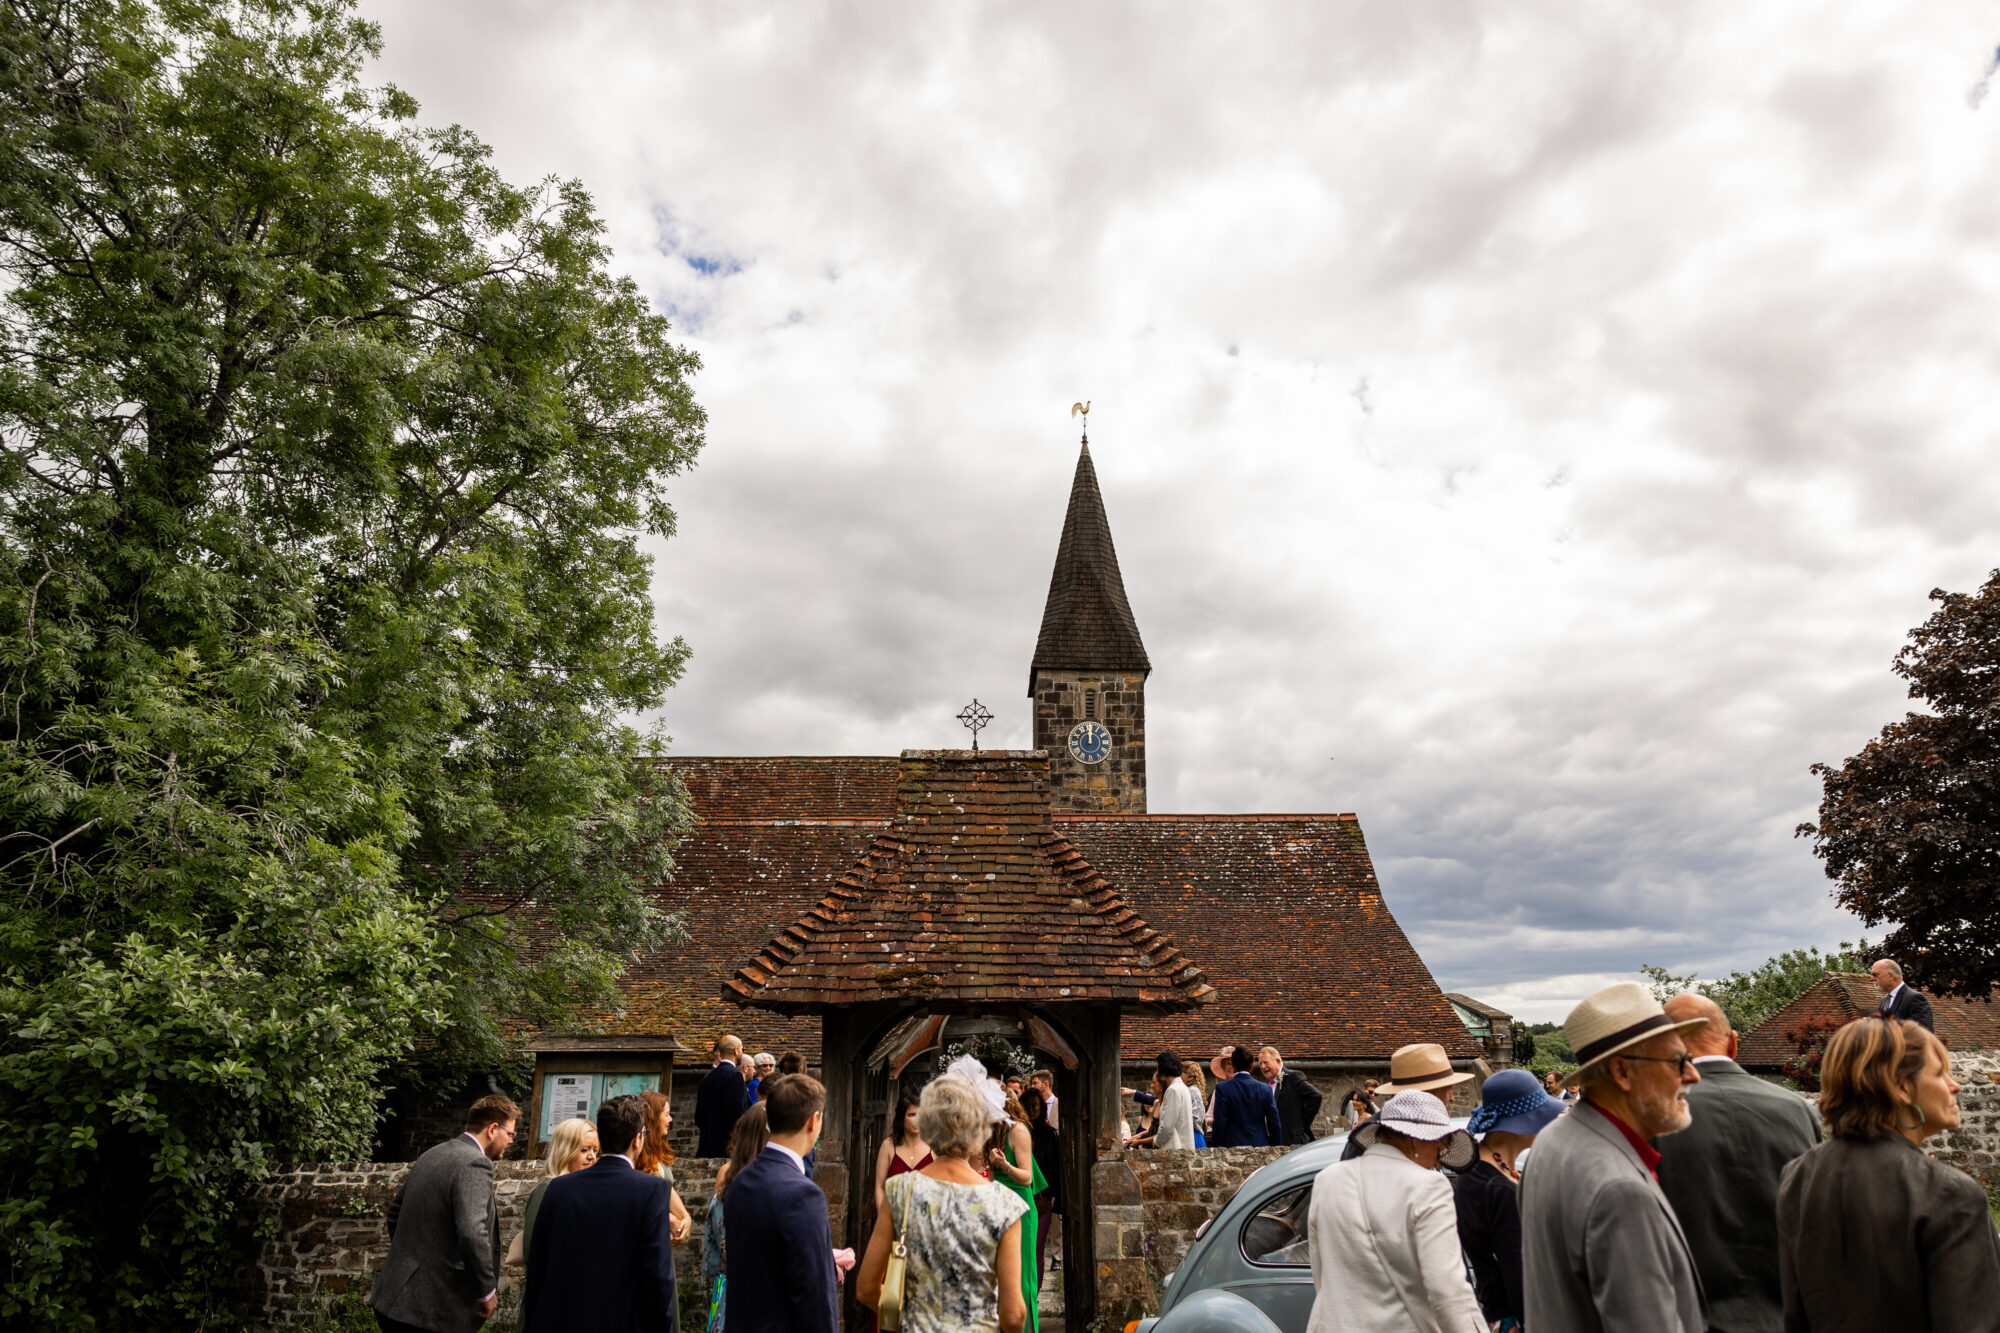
(1513, 1108)
(1382, 1231)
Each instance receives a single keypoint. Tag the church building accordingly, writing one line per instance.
(1281, 913)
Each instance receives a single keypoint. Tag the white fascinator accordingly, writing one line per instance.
(968, 1068)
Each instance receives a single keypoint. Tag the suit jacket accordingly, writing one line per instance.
(601, 1259)
(444, 1241)
(1383, 1238)
(1174, 1120)
(1601, 1250)
(1911, 1004)
(719, 1103)
(1721, 1175)
(1298, 1106)
(780, 1251)
(1874, 1235)
(1246, 1115)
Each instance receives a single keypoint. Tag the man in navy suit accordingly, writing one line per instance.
(721, 1099)
(780, 1254)
(1898, 1000)
(1246, 1114)
(601, 1260)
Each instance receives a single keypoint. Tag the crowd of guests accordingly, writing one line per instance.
(1660, 1188)
(1657, 1189)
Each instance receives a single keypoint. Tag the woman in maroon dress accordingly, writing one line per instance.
(903, 1150)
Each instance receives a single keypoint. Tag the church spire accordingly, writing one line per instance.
(1087, 624)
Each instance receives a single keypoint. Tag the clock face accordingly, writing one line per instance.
(1089, 743)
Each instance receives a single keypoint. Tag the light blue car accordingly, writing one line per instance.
(1248, 1270)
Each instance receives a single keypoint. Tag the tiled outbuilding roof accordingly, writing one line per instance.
(1284, 915)
(1270, 907)
(1962, 1024)
(1087, 624)
(970, 896)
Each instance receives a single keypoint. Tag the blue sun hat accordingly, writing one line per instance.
(1513, 1103)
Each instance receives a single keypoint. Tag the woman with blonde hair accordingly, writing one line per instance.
(572, 1147)
(1191, 1075)
(961, 1232)
(1871, 1232)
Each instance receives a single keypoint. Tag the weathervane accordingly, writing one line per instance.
(975, 717)
(1082, 410)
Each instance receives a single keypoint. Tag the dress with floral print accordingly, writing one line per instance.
(951, 1234)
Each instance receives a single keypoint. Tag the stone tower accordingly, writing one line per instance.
(1088, 679)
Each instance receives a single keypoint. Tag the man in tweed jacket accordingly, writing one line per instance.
(443, 1270)
(1601, 1249)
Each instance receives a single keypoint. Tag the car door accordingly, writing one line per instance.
(1274, 1269)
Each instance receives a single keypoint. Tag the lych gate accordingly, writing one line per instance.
(969, 914)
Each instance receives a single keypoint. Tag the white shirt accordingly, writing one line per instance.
(797, 1160)
(1709, 1059)
(1890, 998)
(1051, 1099)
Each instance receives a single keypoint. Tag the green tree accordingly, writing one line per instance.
(1909, 828)
(325, 457)
(1748, 998)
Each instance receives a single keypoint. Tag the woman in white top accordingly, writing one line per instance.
(1383, 1230)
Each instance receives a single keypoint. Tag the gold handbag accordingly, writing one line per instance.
(889, 1309)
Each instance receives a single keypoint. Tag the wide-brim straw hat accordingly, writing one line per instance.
(1616, 1019)
(1423, 1067)
(1419, 1115)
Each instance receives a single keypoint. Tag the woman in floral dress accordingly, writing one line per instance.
(961, 1233)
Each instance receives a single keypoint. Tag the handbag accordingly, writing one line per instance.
(889, 1309)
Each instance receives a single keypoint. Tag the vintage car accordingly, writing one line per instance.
(1248, 1270)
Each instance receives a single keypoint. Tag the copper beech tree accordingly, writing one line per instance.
(1909, 828)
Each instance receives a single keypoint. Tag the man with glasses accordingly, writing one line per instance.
(443, 1270)
(1721, 1175)
(1601, 1248)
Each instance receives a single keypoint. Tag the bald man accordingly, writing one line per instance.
(1721, 1173)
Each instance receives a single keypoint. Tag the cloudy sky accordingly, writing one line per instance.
(1534, 427)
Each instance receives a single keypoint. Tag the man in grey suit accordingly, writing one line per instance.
(1721, 1173)
(443, 1270)
(1601, 1250)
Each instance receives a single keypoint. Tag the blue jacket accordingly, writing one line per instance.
(601, 1260)
(1246, 1114)
(779, 1258)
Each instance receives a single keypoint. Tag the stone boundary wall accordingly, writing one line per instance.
(1974, 1147)
(320, 1231)
(1148, 1206)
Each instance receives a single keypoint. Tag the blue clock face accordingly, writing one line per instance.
(1089, 743)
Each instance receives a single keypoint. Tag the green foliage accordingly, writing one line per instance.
(1748, 998)
(1524, 1043)
(1551, 1053)
(325, 457)
(1909, 828)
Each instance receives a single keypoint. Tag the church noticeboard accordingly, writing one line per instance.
(576, 1075)
(568, 1095)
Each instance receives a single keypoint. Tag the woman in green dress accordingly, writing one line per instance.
(1013, 1157)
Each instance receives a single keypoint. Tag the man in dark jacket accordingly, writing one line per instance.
(602, 1260)
(721, 1100)
(1899, 1000)
(1246, 1114)
(443, 1270)
(1298, 1100)
(779, 1260)
(1721, 1173)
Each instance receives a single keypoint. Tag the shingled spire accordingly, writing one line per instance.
(1087, 624)
(1088, 677)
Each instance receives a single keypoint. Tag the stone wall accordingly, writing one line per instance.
(320, 1231)
(1148, 1206)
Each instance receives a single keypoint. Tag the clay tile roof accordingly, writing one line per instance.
(1962, 1024)
(1284, 915)
(971, 895)
(1087, 624)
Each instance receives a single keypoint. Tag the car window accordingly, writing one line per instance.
(1276, 1232)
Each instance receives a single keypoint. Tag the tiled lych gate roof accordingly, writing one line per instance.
(1271, 908)
(1087, 623)
(970, 896)
(1963, 1025)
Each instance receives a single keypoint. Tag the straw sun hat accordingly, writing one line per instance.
(1423, 1067)
(1419, 1115)
(1615, 1019)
